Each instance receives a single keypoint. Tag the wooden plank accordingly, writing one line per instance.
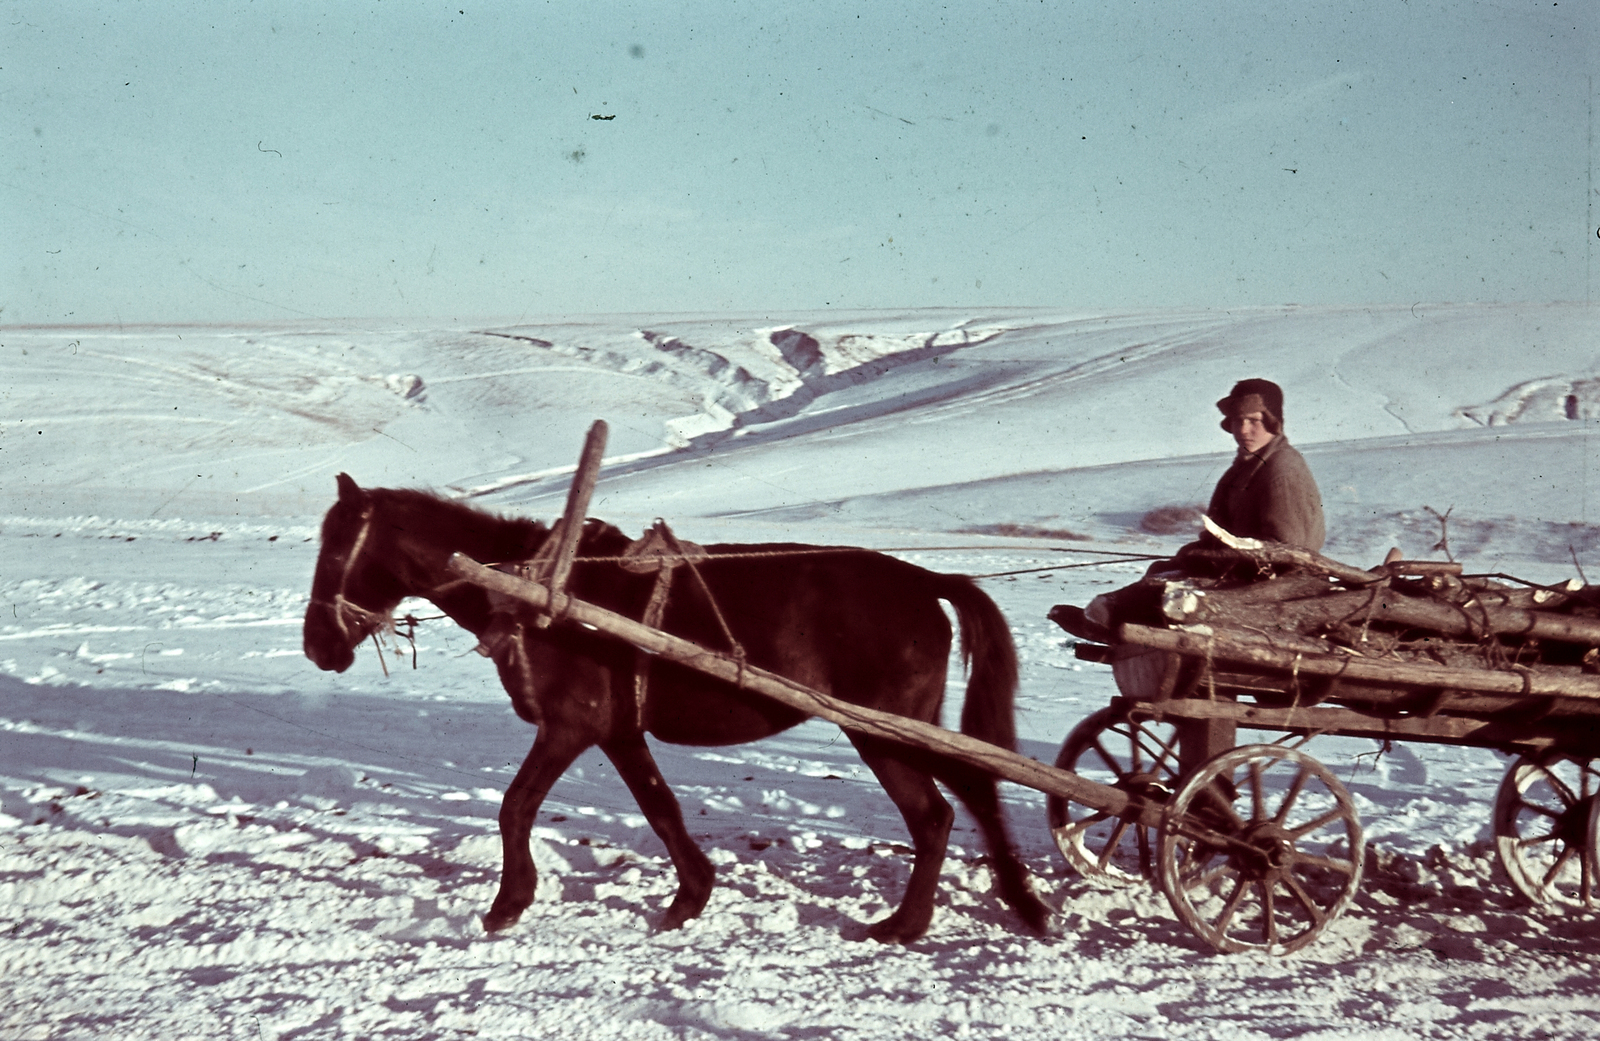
(577, 511)
(1269, 687)
(1367, 670)
(1345, 722)
(1001, 762)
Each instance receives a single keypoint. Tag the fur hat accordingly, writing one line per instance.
(1253, 395)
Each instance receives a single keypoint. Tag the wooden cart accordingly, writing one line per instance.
(1301, 862)
(1408, 651)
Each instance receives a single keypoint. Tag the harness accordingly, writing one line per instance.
(658, 552)
(347, 615)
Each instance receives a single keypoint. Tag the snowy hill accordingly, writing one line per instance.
(206, 836)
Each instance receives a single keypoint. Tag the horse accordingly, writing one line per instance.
(860, 625)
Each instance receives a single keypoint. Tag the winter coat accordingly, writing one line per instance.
(1271, 495)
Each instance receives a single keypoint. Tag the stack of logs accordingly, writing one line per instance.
(1419, 625)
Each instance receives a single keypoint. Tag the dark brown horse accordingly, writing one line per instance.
(859, 625)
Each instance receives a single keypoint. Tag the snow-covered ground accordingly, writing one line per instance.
(204, 836)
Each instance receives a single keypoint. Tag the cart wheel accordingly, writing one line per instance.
(1139, 757)
(1546, 815)
(1261, 849)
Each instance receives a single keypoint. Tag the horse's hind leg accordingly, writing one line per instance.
(928, 817)
(633, 761)
(978, 792)
(546, 762)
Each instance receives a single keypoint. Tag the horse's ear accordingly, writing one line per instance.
(348, 492)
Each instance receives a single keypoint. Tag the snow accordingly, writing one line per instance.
(202, 835)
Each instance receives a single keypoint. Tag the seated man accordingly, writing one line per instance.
(1268, 493)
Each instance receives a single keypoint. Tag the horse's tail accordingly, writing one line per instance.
(989, 711)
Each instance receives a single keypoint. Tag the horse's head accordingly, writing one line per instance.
(353, 592)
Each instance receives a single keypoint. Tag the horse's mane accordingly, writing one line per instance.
(432, 518)
(494, 536)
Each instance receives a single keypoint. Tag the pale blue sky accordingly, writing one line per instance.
(236, 162)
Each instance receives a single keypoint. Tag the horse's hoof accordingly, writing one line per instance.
(498, 921)
(896, 929)
(1036, 914)
(676, 916)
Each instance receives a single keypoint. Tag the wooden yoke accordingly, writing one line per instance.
(571, 525)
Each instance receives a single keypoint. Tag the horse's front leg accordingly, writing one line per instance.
(632, 758)
(546, 762)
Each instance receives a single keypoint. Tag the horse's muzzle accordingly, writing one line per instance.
(326, 640)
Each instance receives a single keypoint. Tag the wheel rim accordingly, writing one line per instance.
(1262, 850)
(1546, 815)
(1138, 757)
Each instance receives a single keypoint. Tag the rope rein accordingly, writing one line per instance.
(353, 619)
(1116, 557)
(1119, 555)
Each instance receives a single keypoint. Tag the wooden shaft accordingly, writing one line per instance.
(1380, 672)
(1001, 762)
(594, 447)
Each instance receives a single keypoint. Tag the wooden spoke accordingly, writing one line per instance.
(1217, 801)
(1269, 915)
(1291, 795)
(1135, 746)
(1561, 861)
(1230, 907)
(1316, 823)
(1168, 749)
(1146, 859)
(1539, 808)
(1300, 894)
(1209, 837)
(1117, 832)
(1111, 764)
(1258, 799)
(1204, 878)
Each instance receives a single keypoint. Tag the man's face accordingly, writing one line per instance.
(1250, 431)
